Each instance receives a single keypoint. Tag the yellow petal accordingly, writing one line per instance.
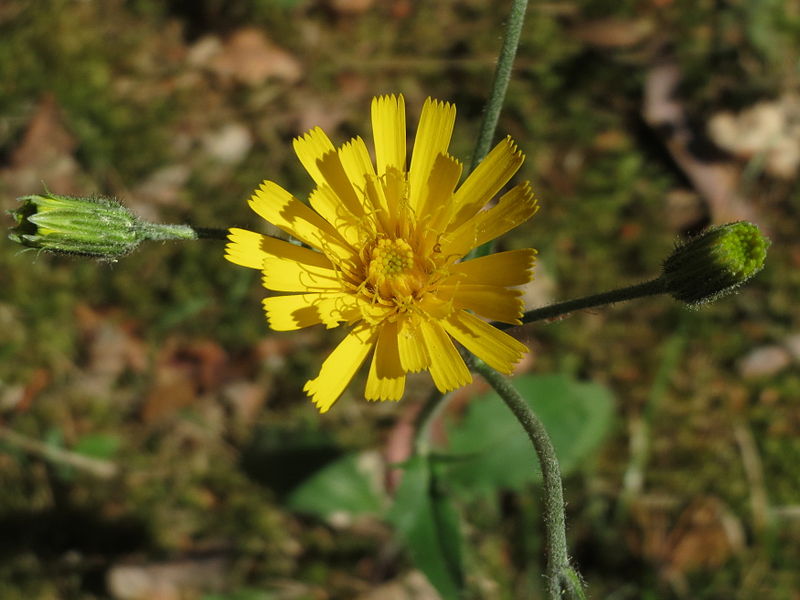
(486, 180)
(244, 248)
(279, 207)
(357, 164)
(295, 311)
(310, 148)
(435, 208)
(515, 207)
(295, 274)
(287, 267)
(496, 348)
(330, 165)
(411, 346)
(340, 367)
(386, 379)
(275, 248)
(504, 269)
(489, 301)
(432, 139)
(325, 201)
(389, 133)
(447, 367)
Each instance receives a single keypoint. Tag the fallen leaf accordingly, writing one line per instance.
(705, 536)
(613, 33)
(172, 580)
(248, 57)
(716, 180)
(351, 7)
(44, 154)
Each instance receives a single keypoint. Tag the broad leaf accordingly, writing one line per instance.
(347, 487)
(427, 521)
(488, 448)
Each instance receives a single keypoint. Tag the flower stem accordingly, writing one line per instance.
(640, 290)
(426, 416)
(560, 575)
(161, 231)
(211, 233)
(491, 114)
(502, 75)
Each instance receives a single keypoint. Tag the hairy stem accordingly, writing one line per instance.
(502, 75)
(560, 575)
(552, 311)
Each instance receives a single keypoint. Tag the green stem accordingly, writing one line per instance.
(426, 416)
(560, 575)
(502, 75)
(640, 290)
(210, 233)
(162, 232)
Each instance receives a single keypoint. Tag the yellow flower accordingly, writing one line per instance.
(386, 244)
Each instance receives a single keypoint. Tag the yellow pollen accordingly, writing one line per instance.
(391, 269)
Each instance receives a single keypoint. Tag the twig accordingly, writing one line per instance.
(94, 466)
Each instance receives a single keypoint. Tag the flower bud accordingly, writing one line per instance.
(98, 227)
(715, 263)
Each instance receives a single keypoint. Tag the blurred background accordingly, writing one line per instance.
(152, 429)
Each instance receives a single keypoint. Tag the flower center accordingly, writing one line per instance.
(391, 272)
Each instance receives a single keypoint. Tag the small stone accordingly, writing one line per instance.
(230, 144)
(764, 361)
(792, 344)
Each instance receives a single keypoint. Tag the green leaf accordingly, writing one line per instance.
(427, 521)
(489, 449)
(98, 445)
(347, 487)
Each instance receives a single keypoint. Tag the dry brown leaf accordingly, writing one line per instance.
(767, 129)
(248, 57)
(172, 390)
(614, 33)
(351, 7)
(706, 535)
(717, 181)
(246, 398)
(44, 154)
(173, 580)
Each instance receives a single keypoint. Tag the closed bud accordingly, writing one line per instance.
(98, 227)
(715, 263)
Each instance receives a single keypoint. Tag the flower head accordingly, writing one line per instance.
(715, 263)
(98, 227)
(95, 226)
(386, 249)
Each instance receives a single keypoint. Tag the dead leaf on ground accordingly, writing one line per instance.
(247, 399)
(183, 370)
(351, 7)
(717, 181)
(173, 580)
(45, 154)
(248, 57)
(411, 586)
(614, 33)
(769, 130)
(704, 536)
(112, 345)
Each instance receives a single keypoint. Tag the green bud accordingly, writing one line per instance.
(715, 263)
(98, 227)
